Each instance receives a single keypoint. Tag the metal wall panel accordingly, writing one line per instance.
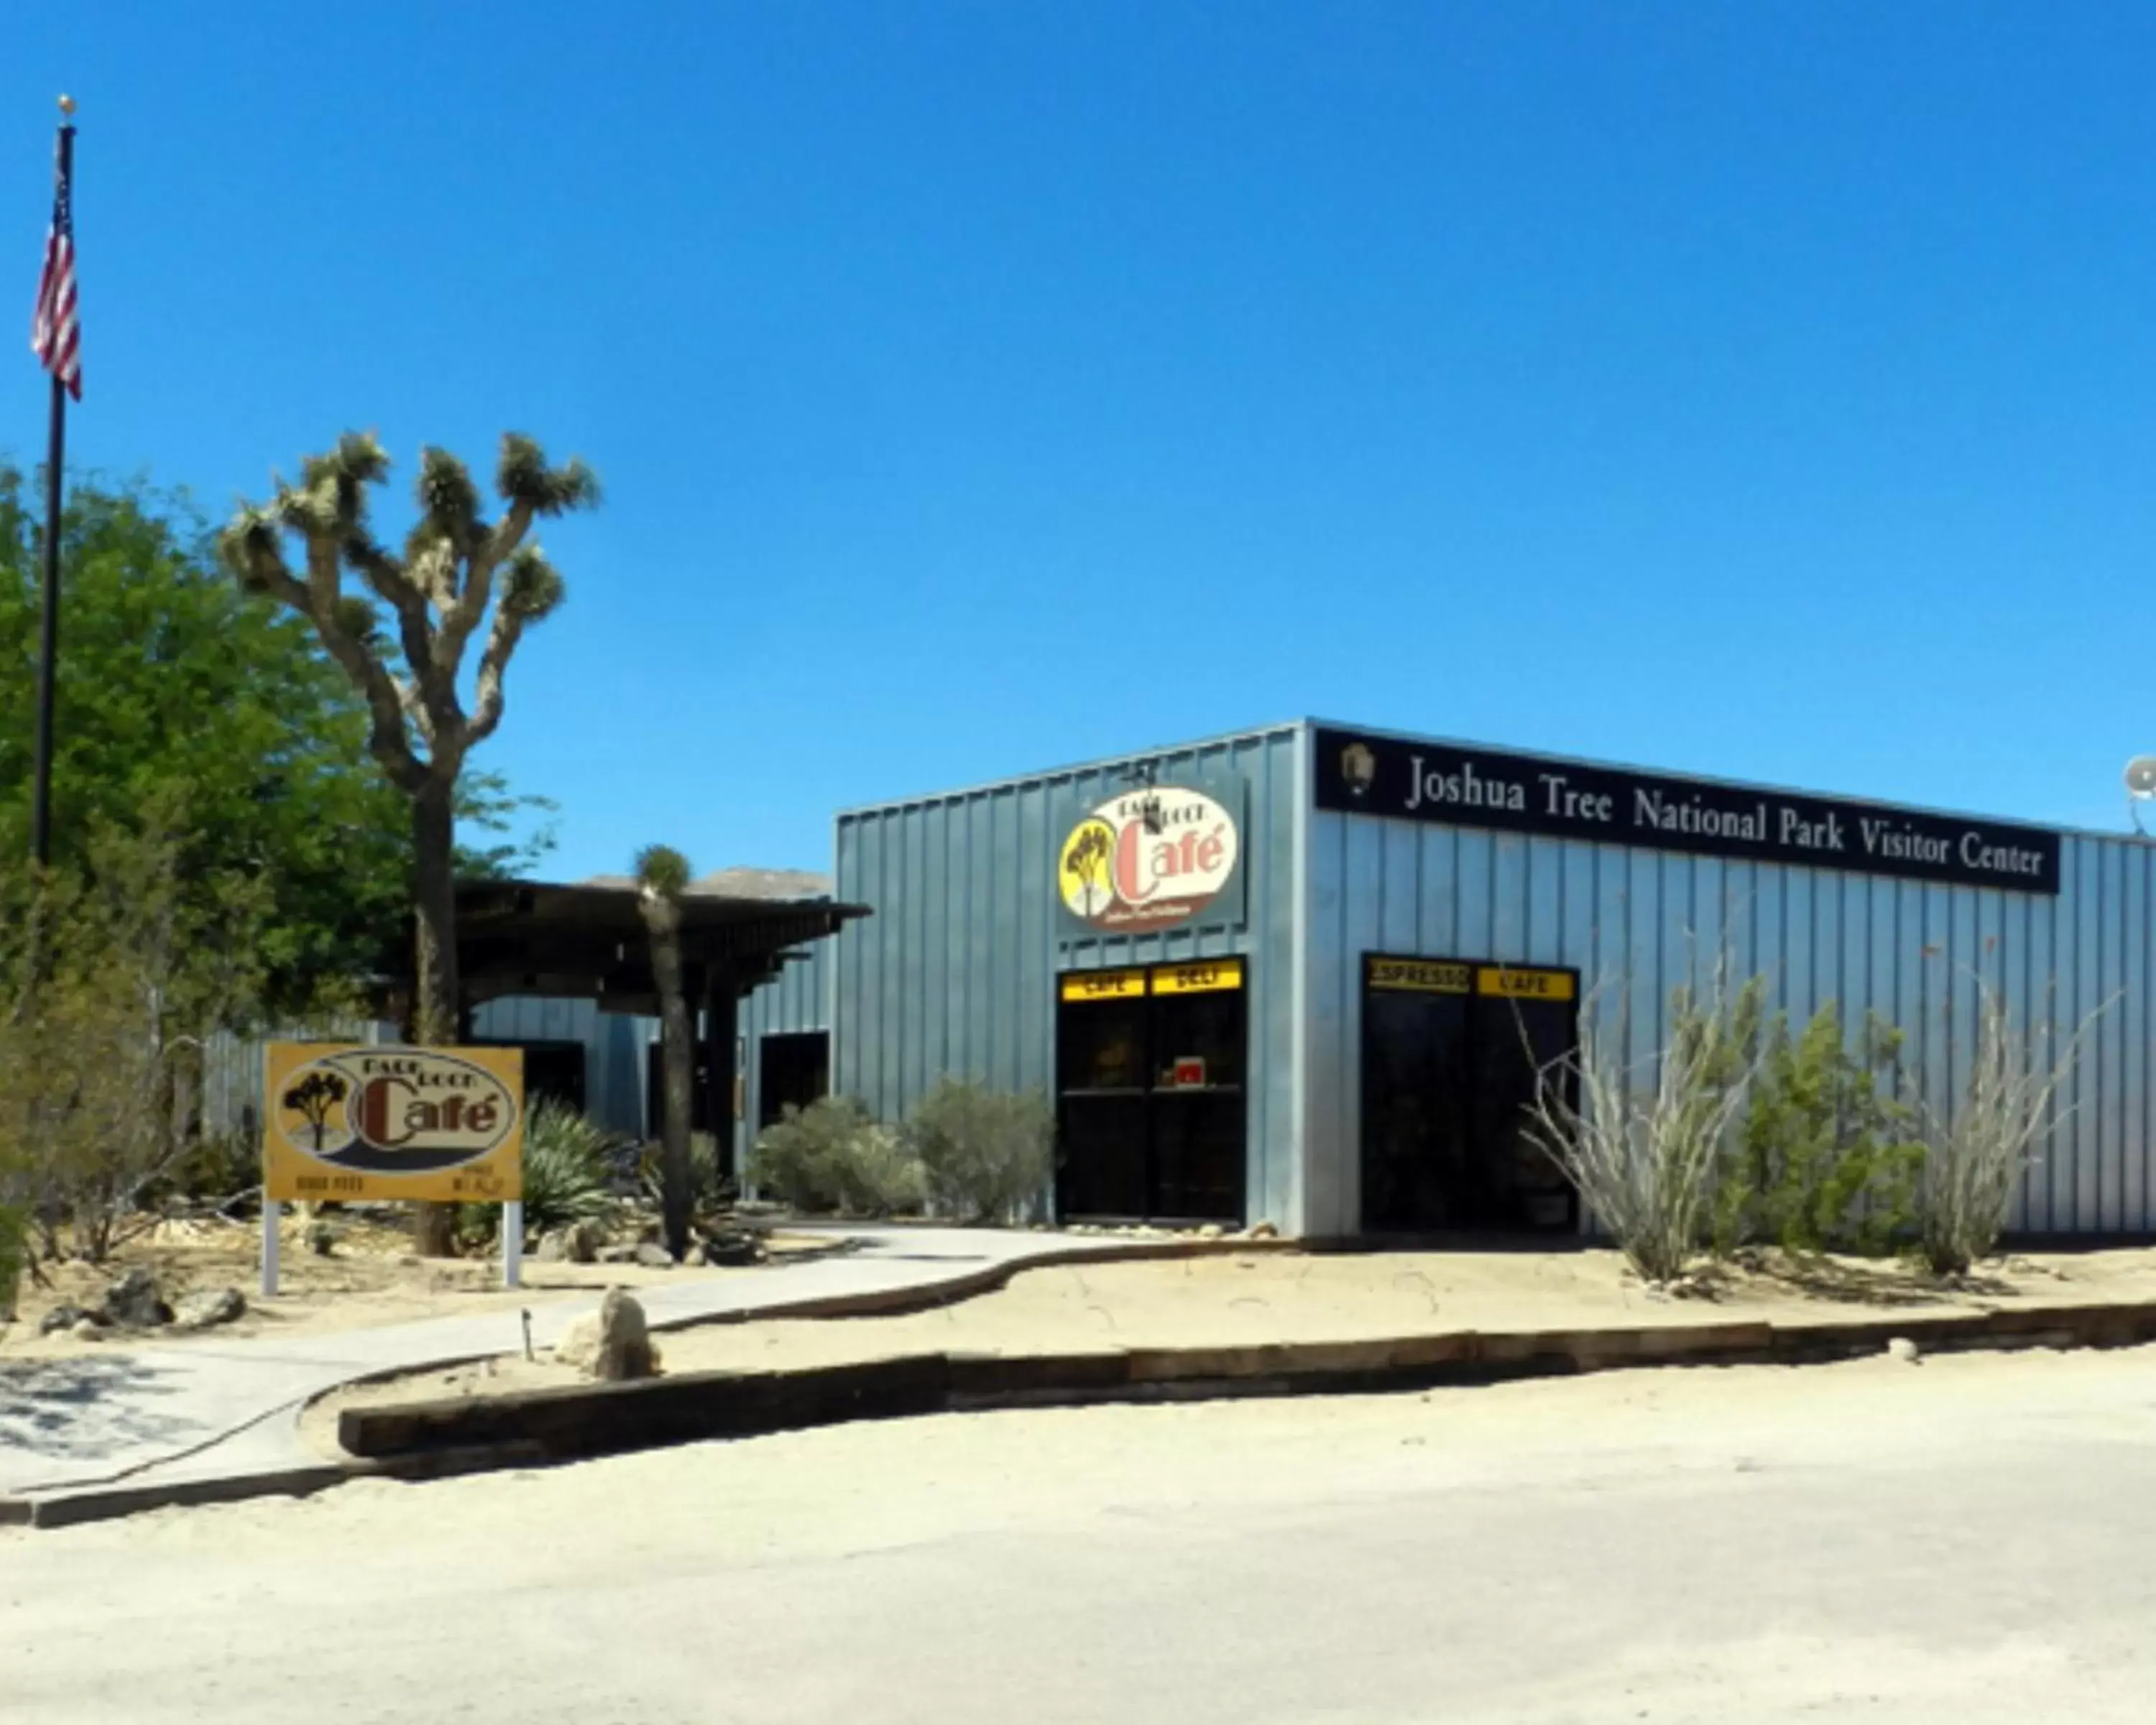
(616, 1049)
(1637, 922)
(954, 973)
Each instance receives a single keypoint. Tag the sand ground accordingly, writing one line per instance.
(1287, 1296)
(1963, 1539)
(370, 1278)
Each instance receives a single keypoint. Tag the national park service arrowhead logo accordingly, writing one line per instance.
(1358, 765)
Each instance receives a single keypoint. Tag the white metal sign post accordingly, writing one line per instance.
(350, 1122)
(271, 1210)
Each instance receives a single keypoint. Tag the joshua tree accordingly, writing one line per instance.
(1087, 858)
(662, 875)
(313, 1096)
(455, 566)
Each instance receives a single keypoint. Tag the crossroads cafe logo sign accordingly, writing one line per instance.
(394, 1110)
(1146, 860)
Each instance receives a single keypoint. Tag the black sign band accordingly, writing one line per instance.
(1480, 788)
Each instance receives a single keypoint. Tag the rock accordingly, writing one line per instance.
(730, 1248)
(206, 1307)
(1263, 1230)
(86, 1330)
(612, 1343)
(134, 1303)
(64, 1318)
(1211, 1230)
(579, 1243)
(653, 1257)
(582, 1241)
(616, 1254)
(1904, 1350)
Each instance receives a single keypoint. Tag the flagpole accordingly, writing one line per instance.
(41, 800)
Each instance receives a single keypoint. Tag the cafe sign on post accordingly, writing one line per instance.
(351, 1122)
(344, 1123)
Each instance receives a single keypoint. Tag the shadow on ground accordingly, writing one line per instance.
(1888, 1284)
(87, 1409)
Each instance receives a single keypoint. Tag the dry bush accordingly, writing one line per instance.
(986, 1153)
(1642, 1143)
(1975, 1158)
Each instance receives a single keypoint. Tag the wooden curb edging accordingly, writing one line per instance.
(432, 1440)
(578, 1420)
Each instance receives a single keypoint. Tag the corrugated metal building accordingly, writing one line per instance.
(1345, 987)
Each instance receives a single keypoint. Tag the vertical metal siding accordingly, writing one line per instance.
(616, 1049)
(1637, 922)
(954, 973)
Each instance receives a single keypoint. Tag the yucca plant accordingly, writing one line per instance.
(566, 1178)
(703, 1182)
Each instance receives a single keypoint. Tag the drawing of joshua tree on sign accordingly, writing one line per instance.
(1085, 868)
(313, 1096)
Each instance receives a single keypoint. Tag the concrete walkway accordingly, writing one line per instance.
(208, 1420)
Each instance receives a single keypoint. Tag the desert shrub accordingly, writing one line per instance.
(984, 1152)
(114, 974)
(1828, 1157)
(833, 1156)
(221, 1165)
(1642, 1153)
(1975, 1158)
(566, 1175)
(705, 1185)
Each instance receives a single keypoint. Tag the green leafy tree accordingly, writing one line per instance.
(662, 876)
(1830, 1154)
(401, 638)
(175, 693)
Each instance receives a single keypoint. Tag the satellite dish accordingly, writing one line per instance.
(2140, 786)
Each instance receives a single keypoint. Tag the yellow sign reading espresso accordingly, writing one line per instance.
(1449, 976)
(1423, 976)
(343, 1121)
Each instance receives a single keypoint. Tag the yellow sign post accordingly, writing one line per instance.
(349, 1122)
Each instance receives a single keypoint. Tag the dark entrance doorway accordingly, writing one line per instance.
(793, 1069)
(1451, 1051)
(1151, 1109)
(553, 1070)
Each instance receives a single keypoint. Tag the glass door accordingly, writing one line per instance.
(1452, 1053)
(1150, 1072)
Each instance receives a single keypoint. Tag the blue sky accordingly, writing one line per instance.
(1763, 392)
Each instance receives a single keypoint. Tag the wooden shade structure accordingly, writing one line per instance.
(588, 941)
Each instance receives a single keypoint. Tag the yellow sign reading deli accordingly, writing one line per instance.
(347, 1121)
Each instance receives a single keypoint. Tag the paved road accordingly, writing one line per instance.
(1968, 1540)
(214, 1407)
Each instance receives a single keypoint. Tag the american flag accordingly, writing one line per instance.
(55, 337)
